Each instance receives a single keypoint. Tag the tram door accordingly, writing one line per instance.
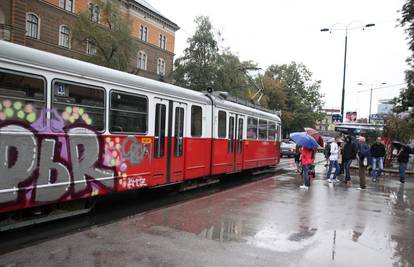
(179, 113)
(235, 142)
(168, 159)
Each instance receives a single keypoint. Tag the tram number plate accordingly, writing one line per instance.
(146, 140)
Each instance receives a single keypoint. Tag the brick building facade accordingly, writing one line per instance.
(42, 24)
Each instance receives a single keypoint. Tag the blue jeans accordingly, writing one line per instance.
(380, 161)
(403, 167)
(331, 164)
(305, 169)
(347, 171)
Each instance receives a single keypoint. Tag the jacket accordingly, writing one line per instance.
(363, 151)
(350, 151)
(307, 156)
(377, 150)
(403, 156)
(334, 151)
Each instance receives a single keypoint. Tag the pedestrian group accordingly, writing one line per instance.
(340, 155)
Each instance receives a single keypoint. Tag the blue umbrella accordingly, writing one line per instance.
(304, 140)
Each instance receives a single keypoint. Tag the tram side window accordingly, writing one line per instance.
(76, 103)
(196, 121)
(178, 131)
(251, 128)
(271, 131)
(22, 97)
(128, 113)
(222, 120)
(159, 136)
(262, 129)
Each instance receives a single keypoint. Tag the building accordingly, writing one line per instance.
(385, 106)
(326, 126)
(47, 25)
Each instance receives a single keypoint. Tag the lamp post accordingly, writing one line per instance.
(370, 95)
(345, 28)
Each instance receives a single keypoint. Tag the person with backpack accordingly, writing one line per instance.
(377, 154)
(333, 161)
(349, 154)
(363, 154)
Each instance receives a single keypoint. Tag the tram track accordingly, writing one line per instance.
(111, 208)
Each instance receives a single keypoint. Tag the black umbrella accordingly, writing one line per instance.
(397, 144)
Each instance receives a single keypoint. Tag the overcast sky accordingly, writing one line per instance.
(279, 32)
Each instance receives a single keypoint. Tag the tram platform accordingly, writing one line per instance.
(266, 222)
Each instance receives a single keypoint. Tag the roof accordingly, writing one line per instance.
(149, 8)
(52, 62)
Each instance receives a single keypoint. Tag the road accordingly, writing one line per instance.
(264, 222)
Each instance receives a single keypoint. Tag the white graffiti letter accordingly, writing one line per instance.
(48, 190)
(84, 150)
(18, 154)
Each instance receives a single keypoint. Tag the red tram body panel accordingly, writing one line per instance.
(72, 130)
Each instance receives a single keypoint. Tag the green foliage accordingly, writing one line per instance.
(112, 36)
(406, 98)
(400, 129)
(302, 100)
(197, 68)
(230, 76)
(288, 88)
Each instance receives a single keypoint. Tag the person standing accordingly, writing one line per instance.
(327, 152)
(377, 154)
(333, 161)
(402, 159)
(363, 154)
(349, 154)
(307, 161)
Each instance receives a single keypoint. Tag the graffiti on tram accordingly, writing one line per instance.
(37, 166)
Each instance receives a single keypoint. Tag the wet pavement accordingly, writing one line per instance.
(269, 222)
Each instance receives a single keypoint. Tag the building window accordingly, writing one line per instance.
(142, 60)
(161, 66)
(66, 5)
(93, 12)
(163, 41)
(143, 33)
(90, 48)
(32, 25)
(64, 36)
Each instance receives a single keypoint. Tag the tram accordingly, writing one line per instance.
(72, 130)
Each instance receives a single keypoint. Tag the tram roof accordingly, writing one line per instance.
(53, 62)
(242, 108)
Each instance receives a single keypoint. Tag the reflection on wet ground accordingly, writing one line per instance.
(269, 222)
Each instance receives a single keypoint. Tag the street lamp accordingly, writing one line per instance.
(370, 96)
(345, 28)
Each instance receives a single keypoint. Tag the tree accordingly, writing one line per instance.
(111, 37)
(405, 101)
(302, 100)
(197, 69)
(231, 76)
(399, 128)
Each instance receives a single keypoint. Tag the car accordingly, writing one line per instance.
(288, 148)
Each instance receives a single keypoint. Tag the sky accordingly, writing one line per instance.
(279, 32)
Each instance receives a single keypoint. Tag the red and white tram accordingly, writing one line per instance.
(72, 130)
